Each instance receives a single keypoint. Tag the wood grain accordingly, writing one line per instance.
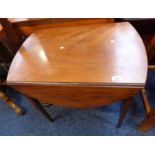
(28, 25)
(102, 53)
(77, 96)
(81, 66)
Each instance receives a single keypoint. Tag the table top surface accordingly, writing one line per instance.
(104, 54)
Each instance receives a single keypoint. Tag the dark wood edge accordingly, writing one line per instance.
(90, 84)
(49, 21)
(151, 67)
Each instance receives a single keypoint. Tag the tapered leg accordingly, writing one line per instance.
(123, 111)
(146, 103)
(14, 106)
(39, 107)
(148, 122)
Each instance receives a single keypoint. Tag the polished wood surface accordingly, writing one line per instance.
(17, 20)
(24, 21)
(28, 25)
(76, 96)
(105, 53)
(81, 66)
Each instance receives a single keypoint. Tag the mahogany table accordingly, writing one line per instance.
(81, 66)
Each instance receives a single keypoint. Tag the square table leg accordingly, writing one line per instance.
(39, 107)
(124, 109)
(148, 122)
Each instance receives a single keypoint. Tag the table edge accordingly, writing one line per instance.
(81, 84)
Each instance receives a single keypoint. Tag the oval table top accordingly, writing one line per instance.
(104, 54)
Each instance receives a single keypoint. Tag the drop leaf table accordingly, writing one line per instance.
(81, 66)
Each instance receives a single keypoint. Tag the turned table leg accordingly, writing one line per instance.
(15, 107)
(123, 111)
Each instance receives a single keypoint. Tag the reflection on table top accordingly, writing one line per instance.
(101, 53)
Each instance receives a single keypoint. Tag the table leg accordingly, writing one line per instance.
(123, 111)
(40, 108)
(14, 106)
(148, 122)
(146, 103)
